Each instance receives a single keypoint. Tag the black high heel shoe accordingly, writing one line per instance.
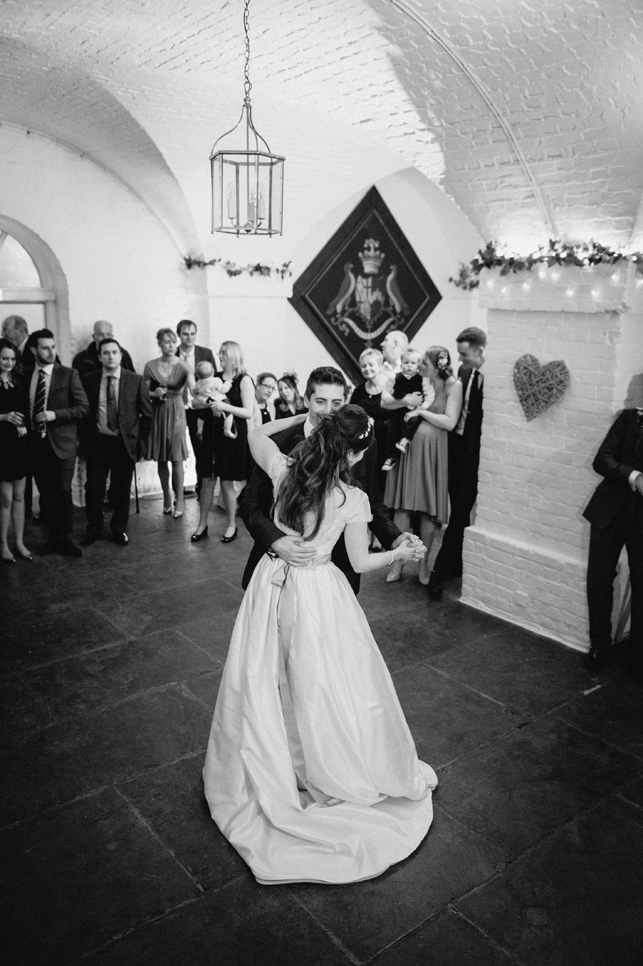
(229, 539)
(199, 536)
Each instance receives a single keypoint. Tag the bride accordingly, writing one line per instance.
(311, 771)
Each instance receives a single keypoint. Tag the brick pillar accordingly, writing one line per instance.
(525, 558)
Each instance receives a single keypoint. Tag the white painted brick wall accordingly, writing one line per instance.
(525, 558)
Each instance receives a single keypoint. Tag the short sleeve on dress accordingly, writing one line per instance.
(277, 468)
(357, 508)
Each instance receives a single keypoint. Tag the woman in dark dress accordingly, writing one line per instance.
(232, 459)
(369, 396)
(14, 413)
(290, 402)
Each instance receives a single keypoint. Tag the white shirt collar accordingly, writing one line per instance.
(308, 427)
(116, 373)
(46, 369)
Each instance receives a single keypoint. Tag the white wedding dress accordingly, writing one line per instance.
(311, 771)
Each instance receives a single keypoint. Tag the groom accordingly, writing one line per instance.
(326, 392)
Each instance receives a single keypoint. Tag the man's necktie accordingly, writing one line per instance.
(112, 408)
(39, 402)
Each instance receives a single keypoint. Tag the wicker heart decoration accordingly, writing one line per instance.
(539, 387)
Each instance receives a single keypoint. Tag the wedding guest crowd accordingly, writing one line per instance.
(425, 450)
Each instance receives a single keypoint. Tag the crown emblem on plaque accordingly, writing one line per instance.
(371, 256)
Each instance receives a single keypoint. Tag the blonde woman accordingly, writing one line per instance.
(232, 460)
(164, 379)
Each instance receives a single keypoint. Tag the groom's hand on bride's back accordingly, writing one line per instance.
(293, 550)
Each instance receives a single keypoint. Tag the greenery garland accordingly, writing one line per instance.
(259, 268)
(556, 253)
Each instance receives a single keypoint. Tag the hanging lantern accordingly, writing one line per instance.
(247, 179)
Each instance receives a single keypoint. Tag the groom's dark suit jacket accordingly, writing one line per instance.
(258, 497)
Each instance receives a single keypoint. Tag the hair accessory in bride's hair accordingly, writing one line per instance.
(443, 361)
(368, 429)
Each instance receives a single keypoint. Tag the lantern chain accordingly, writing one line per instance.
(247, 86)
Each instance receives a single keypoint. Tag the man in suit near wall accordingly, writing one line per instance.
(615, 512)
(89, 360)
(57, 402)
(464, 459)
(326, 392)
(113, 437)
(192, 354)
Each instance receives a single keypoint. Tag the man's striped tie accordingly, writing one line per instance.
(39, 402)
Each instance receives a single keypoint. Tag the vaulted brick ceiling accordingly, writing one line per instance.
(529, 115)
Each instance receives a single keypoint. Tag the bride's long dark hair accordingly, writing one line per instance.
(319, 463)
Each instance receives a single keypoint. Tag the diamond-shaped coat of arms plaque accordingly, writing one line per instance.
(366, 281)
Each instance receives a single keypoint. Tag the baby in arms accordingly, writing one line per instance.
(210, 388)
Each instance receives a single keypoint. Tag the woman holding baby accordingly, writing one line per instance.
(232, 408)
(418, 483)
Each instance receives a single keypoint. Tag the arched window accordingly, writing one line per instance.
(32, 283)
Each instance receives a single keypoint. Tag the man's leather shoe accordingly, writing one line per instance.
(435, 589)
(594, 658)
(37, 518)
(69, 549)
(121, 539)
(89, 538)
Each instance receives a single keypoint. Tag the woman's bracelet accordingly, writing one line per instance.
(392, 560)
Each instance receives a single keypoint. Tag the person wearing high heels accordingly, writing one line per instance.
(164, 379)
(418, 483)
(231, 457)
(13, 454)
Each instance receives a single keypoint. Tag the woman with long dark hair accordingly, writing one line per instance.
(291, 401)
(14, 412)
(311, 771)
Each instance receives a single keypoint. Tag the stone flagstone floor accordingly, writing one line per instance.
(110, 671)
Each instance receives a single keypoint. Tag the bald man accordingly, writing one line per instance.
(88, 360)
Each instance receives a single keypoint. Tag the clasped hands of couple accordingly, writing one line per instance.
(297, 552)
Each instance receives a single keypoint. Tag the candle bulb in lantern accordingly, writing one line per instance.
(261, 207)
(231, 205)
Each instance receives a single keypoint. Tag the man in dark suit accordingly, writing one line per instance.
(89, 360)
(192, 354)
(464, 459)
(57, 401)
(615, 512)
(326, 392)
(113, 437)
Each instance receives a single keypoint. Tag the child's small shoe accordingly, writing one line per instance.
(402, 444)
(388, 465)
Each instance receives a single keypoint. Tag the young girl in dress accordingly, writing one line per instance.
(311, 771)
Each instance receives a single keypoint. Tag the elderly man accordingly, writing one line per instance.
(113, 436)
(88, 360)
(15, 331)
(57, 401)
(192, 354)
(394, 344)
